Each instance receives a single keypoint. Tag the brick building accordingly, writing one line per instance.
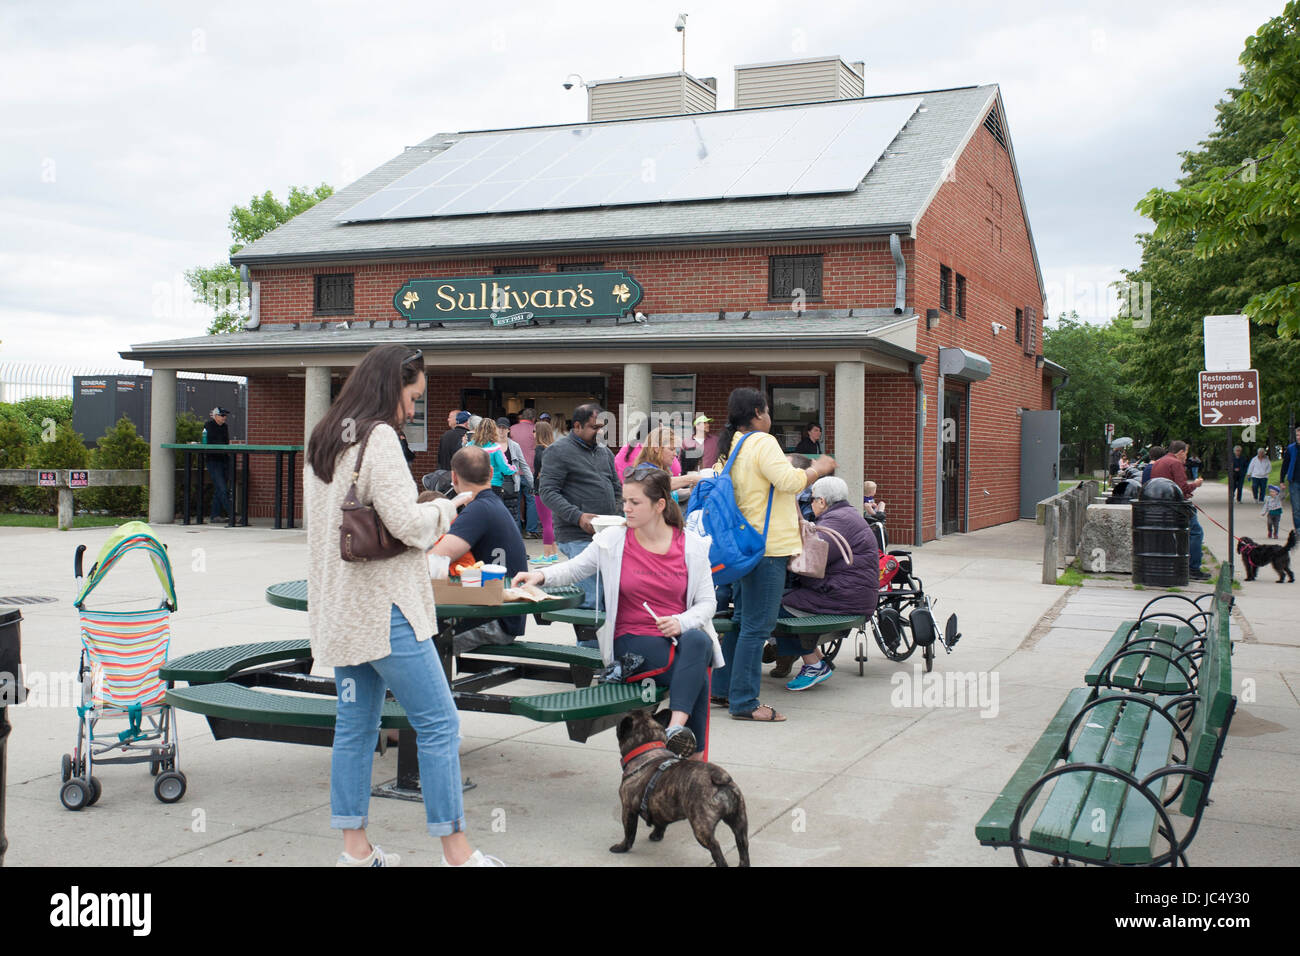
(866, 261)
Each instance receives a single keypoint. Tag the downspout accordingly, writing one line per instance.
(918, 462)
(965, 477)
(254, 299)
(1056, 388)
(900, 275)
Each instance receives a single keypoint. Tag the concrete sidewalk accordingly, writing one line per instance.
(863, 772)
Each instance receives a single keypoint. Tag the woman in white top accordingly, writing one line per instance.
(372, 620)
(1258, 472)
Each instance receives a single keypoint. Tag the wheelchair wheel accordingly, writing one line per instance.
(928, 653)
(831, 646)
(892, 634)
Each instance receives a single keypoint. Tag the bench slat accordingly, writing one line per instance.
(1135, 833)
(215, 666)
(255, 706)
(1106, 794)
(532, 650)
(1093, 674)
(995, 825)
(1125, 672)
(1055, 823)
(586, 702)
(1157, 670)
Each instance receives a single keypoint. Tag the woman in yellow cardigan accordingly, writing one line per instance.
(761, 466)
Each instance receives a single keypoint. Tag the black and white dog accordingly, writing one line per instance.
(1255, 556)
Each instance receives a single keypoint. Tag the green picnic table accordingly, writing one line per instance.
(227, 684)
(237, 488)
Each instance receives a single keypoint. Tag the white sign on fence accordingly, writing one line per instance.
(1227, 343)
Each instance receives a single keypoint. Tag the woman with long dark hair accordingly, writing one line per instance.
(760, 470)
(372, 620)
(659, 603)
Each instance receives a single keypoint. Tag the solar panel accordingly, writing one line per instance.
(776, 152)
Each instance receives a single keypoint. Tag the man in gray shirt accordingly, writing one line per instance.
(578, 483)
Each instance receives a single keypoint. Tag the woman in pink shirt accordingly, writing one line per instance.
(659, 601)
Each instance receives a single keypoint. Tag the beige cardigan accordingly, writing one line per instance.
(350, 602)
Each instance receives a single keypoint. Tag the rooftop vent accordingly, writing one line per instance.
(664, 94)
(798, 81)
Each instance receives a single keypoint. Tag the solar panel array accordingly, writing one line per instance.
(728, 155)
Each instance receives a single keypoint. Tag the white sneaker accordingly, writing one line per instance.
(377, 857)
(479, 858)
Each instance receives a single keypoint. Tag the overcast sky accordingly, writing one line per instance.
(128, 130)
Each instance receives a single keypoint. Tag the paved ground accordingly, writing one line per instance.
(862, 773)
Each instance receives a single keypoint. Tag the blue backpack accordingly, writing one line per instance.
(735, 546)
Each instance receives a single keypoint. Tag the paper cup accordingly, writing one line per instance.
(471, 578)
(493, 572)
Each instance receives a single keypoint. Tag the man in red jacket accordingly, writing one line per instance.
(1171, 466)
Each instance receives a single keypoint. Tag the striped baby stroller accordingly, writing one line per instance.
(121, 652)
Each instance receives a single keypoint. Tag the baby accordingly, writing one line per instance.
(1273, 508)
(869, 503)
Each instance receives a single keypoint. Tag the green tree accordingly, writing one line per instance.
(1242, 191)
(67, 450)
(1101, 387)
(218, 286)
(120, 447)
(32, 414)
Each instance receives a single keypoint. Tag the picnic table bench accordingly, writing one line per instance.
(1111, 756)
(586, 622)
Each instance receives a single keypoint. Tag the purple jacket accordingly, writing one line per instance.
(846, 589)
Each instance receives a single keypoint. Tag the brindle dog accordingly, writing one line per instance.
(702, 793)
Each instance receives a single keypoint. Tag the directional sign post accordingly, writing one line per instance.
(1228, 399)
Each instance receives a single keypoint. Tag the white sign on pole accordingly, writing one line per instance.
(1227, 343)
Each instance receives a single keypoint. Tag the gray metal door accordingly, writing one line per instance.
(1040, 453)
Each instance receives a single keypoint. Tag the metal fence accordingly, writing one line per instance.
(19, 380)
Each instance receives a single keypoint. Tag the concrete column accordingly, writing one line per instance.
(162, 461)
(850, 433)
(638, 397)
(316, 402)
(1049, 545)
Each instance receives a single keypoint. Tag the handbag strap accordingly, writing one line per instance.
(361, 451)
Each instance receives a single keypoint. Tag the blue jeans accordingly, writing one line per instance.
(1195, 535)
(687, 679)
(220, 488)
(1293, 489)
(528, 506)
(412, 671)
(590, 599)
(757, 598)
(1257, 488)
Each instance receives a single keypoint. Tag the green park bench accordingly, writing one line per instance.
(1102, 782)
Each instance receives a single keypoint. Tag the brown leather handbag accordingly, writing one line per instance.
(810, 562)
(362, 535)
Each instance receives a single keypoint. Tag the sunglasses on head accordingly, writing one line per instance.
(643, 469)
(417, 354)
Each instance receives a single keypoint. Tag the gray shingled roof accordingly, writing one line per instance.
(774, 330)
(891, 198)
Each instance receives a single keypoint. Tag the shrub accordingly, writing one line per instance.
(120, 447)
(66, 451)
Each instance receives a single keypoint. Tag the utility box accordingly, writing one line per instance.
(98, 401)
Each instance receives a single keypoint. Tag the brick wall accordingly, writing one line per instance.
(977, 227)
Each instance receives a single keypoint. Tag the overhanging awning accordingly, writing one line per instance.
(963, 365)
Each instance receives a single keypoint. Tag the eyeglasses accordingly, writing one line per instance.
(417, 354)
(643, 469)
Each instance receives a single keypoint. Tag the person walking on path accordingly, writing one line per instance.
(1291, 477)
(760, 468)
(1239, 465)
(580, 483)
(1171, 467)
(545, 436)
(453, 438)
(658, 589)
(523, 433)
(1258, 473)
(372, 621)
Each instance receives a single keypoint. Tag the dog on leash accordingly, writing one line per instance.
(662, 788)
(1255, 556)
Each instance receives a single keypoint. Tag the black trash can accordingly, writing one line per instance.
(1161, 521)
(11, 692)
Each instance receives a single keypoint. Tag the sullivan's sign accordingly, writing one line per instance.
(512, 300)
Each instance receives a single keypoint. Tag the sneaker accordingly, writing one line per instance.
(681, 741)
(783, 666)
(1198, 575)
(377, 857)
(479, 858)
(810, 675)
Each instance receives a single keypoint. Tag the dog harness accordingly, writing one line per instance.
(654, 777)
(1247, 550)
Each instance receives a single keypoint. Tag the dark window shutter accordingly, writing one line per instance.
(788, 273)
(961, 296)
(945, 288)
(334, 295)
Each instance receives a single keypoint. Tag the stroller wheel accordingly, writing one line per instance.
(170, 786)
(96, 788)
(65, 767)
(76, 794)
